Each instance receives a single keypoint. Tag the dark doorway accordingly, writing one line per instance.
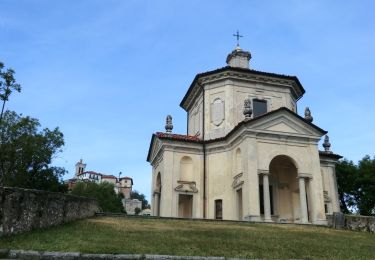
(185, 206)
(218, 209)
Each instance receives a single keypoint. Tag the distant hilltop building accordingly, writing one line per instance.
(247, 154)
(122, 184)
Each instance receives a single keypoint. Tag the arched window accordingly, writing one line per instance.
(186, 169)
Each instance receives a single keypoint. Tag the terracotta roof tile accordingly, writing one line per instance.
(108, 176)
(126, 178)
(178, 137)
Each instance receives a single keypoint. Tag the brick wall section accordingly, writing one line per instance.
(352, 222)
(23, 210)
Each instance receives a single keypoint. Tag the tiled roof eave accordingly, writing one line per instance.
(192, 139)
(330, 155)
(178, 137)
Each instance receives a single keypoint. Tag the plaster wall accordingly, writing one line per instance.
(219, 182)
(195, 118)
(170, 170)
(330, 185)
(232, 93)
(196, 177)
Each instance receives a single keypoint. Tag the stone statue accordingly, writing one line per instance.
(169, 125)
(247, 110)
(308, 116)
(327, 144)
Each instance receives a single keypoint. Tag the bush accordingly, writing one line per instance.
(137, 211)
(104, 192)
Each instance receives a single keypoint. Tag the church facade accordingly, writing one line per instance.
(247, 154)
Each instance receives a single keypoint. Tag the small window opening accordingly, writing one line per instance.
(259, 107)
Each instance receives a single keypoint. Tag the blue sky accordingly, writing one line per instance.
(108, 72)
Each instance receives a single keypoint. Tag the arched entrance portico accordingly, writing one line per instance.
(285, 199)
(283, 178)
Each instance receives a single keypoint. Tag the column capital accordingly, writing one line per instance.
(263, 172)
(304, 175)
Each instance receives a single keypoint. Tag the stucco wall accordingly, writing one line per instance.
(23, 210)
(233, 94)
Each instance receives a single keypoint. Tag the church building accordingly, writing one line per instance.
(247, 154)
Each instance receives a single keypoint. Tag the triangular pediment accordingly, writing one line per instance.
(285, 122)
(282, 127)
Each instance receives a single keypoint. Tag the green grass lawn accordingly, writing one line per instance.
(200, 238)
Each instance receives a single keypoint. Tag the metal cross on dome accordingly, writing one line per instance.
(238, 37)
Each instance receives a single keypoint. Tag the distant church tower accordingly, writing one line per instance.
(80, 167)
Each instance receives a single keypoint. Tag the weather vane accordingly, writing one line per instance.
(238, 37)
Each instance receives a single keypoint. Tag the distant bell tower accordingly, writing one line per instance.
(80, 167)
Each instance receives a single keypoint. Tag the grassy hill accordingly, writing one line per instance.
(199, 238)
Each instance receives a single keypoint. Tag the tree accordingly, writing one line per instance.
(356, 186)
(104, 192)
(137, 195)
(137, 211)
(7, 86)
(346, 174)
(366, 186)
(26, 153)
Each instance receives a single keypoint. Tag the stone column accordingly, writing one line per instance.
(302, 199)
(266, 197)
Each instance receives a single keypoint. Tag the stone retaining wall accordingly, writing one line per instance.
(352, 222)
(23, 210)
(23, 254)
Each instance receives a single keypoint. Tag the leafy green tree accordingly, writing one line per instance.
(26, 153)
(356, 185)
(366, 186)
(137, 211)
(104, 192)
(346, 174)
(7, 86)
(137, 195)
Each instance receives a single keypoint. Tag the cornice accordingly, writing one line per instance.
(240, 74)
